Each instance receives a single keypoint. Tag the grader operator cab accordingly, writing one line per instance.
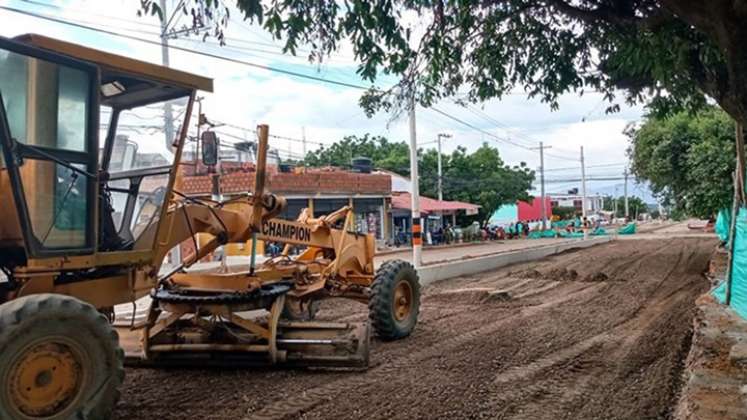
(89, 212)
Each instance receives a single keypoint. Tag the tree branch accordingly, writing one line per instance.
(616, 16)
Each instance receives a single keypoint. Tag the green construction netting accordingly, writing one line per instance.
(560, 224)
(628, 229)
(722, 224)
(599, 231)
(738, 268)
(538, 234)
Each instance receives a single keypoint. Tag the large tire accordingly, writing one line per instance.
(59, 359)
(394, 303)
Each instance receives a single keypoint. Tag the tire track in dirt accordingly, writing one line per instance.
(556, 387)
(313, 398)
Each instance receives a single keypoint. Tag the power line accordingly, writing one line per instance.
(601, 165)
(487, 133)
(508, 129)
(187, 50)
(260, 66)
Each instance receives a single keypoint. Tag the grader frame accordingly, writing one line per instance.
(68, 257)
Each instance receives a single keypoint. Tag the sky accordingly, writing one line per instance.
(246, 96)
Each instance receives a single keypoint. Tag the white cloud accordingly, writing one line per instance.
(247, 96)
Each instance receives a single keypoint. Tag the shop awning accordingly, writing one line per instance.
(403, 201)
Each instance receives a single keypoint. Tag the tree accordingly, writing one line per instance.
(669, 52)
(564, 212)
(636, 206)
(479, 178)
(392, 156)
(687, 159)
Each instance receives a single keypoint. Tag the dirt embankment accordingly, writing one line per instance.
(598, 333)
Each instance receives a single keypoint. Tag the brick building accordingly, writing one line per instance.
(323, 190)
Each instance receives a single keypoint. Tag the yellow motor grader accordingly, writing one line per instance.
(88, 216)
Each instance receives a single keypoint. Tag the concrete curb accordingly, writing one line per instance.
(437, 272)
(430, 247)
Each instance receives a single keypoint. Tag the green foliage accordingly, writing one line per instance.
(688, 160)
(668, 52)
(564, 213)
(636, 206)
(392, 156)
(479, 178)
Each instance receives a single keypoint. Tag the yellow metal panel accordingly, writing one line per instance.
(120, 63)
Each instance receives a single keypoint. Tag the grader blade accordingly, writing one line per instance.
(320, 344)
(298, 345)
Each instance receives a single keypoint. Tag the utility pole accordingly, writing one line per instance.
(303, 142)
(583, 184)
(614, 204)
(542, 181)
(417, 238)
(168, 117)
(440, 172)
(625, 193)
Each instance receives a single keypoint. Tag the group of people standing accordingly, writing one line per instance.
(519, 229)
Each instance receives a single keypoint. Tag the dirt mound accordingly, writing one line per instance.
(528, 274)
(561, 274)
(555, 274)
(596, 277)
(472, 296)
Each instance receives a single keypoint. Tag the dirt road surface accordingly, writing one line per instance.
(598, 333)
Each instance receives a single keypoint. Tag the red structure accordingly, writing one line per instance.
(533, 211)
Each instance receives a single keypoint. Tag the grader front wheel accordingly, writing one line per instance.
(59, 359)
(394, 303)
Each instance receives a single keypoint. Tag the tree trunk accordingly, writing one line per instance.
(725, 22)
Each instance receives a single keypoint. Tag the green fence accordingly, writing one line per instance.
(738, 299)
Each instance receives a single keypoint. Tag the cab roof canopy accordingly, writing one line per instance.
(126, 82)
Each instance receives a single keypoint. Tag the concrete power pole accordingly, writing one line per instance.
(417, 238)
(440, 171)
(303, 138)
(625, 193)
(542, 182)
(583, 184)
(614, 204)
(168, 117)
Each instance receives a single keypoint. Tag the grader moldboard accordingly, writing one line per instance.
(85, 225)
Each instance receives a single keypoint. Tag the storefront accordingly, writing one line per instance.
(369, 215)
(435, 214)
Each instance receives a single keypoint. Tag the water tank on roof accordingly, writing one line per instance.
(362, 165)
(286, 168)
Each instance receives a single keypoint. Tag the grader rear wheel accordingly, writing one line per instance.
(395, 300)
(59, 359)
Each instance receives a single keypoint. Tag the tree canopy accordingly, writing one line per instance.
(480, 177)
(392, 156)
(636, 205)
(670, 53)
(688, 159)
